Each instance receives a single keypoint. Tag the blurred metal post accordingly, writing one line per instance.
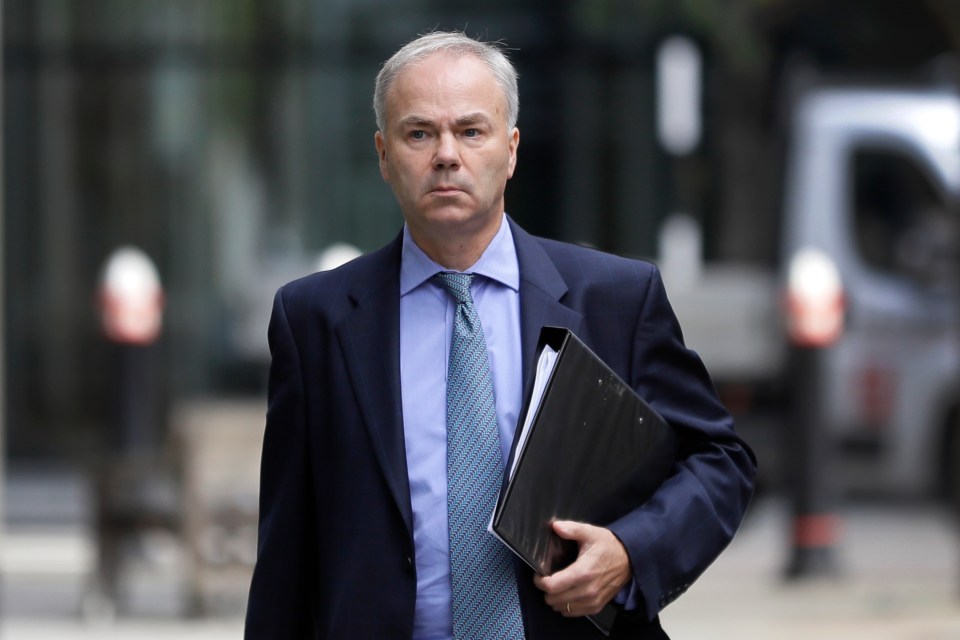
(815, 315)
(131, 301)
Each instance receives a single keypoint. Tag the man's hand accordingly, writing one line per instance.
(601, 569)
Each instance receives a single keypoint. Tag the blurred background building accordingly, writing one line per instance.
(232, 142)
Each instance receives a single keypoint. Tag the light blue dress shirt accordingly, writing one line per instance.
(426, 326)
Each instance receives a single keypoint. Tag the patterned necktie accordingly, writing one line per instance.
(484, 597)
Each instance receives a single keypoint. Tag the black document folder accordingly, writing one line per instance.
(590, 449)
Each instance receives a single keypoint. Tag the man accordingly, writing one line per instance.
(364, 485)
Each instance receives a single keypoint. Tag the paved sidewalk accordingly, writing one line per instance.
(124, 630)
(900, 580)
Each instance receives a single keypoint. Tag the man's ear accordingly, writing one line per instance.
(512, 144)
(381, 146)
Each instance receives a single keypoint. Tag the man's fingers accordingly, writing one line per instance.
(593, 579)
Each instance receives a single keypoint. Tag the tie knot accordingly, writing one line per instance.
(457, 285)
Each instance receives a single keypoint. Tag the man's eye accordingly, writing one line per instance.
(471, 133)
(418, 135)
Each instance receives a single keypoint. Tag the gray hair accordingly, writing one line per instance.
(490, 53)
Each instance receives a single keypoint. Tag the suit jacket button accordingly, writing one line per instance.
(408, 564)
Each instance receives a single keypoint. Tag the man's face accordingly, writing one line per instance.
(446, 151)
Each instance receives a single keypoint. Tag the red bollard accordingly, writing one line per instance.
(129, 472)
(815, 315)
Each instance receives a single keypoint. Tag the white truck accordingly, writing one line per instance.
(868, 267)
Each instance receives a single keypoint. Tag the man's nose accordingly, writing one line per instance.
(447, 153)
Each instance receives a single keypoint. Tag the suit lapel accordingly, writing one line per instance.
(542, 289)
(370, 337)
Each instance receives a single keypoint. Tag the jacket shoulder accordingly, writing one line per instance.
(578, 261)
(347, 283)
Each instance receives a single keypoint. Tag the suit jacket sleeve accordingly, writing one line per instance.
(285, 574)
(675, 535)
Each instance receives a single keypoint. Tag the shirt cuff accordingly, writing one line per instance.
(627, 597)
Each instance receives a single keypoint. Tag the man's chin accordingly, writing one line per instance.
(456, 220)
(453, 214)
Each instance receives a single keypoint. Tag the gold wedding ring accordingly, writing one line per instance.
(568, 608)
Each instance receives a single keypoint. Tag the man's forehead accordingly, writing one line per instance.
(419, 86)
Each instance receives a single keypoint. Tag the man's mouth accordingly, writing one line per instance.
(446, 189)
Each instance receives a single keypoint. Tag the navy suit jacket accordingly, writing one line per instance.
(335, 555)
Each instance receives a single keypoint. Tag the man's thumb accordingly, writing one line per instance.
(567, 529)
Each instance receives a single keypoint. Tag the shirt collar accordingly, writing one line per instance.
(498, 261)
